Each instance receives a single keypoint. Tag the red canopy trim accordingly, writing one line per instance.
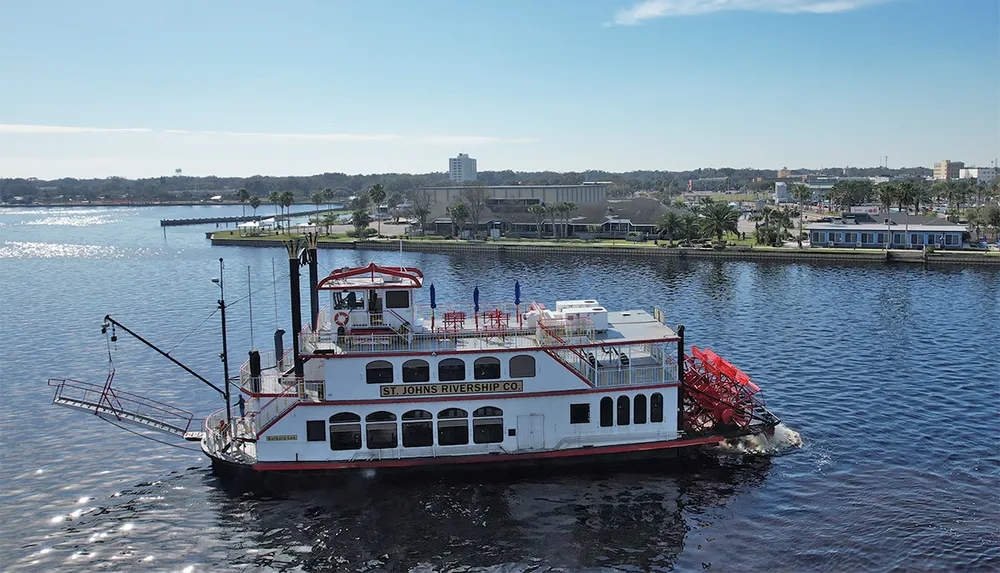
(410, 277)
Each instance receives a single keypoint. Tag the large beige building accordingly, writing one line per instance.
(946, 169)
(548, 194)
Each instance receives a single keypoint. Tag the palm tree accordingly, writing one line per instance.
(287, 199)
(671, 223)
(801, 193)
(565, 209)
(539, 211)
(243, 196)
(552, 211)
(254, 203)
(887, 194)
(393, 201)
(458, 213)
(328, 198)
(275, 198)
(689, 226)
(317, 199)
(360, 219)
(719, 219)
(377, 194)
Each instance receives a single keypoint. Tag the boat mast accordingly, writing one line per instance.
(225, 354)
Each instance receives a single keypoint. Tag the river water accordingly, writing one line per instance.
(890, 374)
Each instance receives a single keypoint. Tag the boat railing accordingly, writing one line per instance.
(267, 362)
(298, 390)
(103, 399)
(395, 342)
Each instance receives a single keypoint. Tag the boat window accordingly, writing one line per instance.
(639, 409)
(453, 427)
(416, 370)
(579, 413)
(397, 299)
(656, 408)
(451, 369)
(378, 372)
(522, 366)
(486, 368)
(487, 412)
(316, 430)
(345, 431)
(418, 429)
(417, 415)
(607, 412)
(623, 410)
(452, 413)
(487, 425)
(380, 417)
(381, 435)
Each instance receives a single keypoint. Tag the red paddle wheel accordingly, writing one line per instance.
(718, 397)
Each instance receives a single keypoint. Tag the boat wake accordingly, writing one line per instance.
(782, 440)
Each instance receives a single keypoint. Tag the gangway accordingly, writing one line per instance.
(112, 404)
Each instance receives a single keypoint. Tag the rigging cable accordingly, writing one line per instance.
(250, 298)
(188, 335)
(274, 282)
(148, 437)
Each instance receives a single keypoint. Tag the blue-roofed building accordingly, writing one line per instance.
(903, 231)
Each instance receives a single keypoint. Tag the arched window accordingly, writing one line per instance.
(453, 427)
(378, 372)
(623, 410)
(418, 429)
(380, 430)
(639, 409)
(486, 368)
(607, 412)
(656, 408)
(345, 431)
(522, 366)
(487, 425)
(416, 370)
(451, 370)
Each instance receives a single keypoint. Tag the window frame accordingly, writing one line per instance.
(450, 363)
(369, 369)
(390, 294)
(656, 408)
(639, 409)
(623, 414)
(426, 367)
(607, 411)
(486, 362)
(575, 413)
(311, 429)
(513, 367)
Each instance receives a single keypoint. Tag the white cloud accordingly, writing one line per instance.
(334, 137)
(650, 9)
(63, 129)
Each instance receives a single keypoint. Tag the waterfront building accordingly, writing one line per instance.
(462, 168)
(981, 174)
(782, 193)
(904, 231)
(945, 170)
(525, 194)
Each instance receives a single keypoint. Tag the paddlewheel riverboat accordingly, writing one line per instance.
(375, 380)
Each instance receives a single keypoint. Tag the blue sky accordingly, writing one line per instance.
(239, 87)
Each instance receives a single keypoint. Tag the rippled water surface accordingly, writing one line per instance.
(891, 374)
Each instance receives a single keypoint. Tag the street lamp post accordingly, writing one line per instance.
(225, 354)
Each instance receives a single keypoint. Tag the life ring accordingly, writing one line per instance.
(341, 318)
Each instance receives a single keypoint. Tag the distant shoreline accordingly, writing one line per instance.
(731, 253)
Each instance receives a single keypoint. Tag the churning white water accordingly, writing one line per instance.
(783, 439)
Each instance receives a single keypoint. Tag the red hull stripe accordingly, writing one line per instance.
(486, 458)
(462, 397)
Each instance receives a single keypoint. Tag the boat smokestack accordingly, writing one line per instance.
(255, 371)
(294, 248)
(313, 254)
(680, 378)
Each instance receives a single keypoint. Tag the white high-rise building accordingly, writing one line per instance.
(982, 174)
(462, 168)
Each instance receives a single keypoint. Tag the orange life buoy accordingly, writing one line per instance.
(341, 318)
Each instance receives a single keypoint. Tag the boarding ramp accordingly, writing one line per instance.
(121, 406)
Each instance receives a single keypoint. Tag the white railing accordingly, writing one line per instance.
(391, 343)
(298, 390)
(267, 361)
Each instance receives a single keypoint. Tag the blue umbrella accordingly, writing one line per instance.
(433, 303)
(475, 298)
(517, 293)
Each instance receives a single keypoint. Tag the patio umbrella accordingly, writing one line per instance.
(433, 306)
(517, 300)
(475, 302)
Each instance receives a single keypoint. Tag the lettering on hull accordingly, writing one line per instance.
(397, 391)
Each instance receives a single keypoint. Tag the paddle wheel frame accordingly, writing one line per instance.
(718, 397)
